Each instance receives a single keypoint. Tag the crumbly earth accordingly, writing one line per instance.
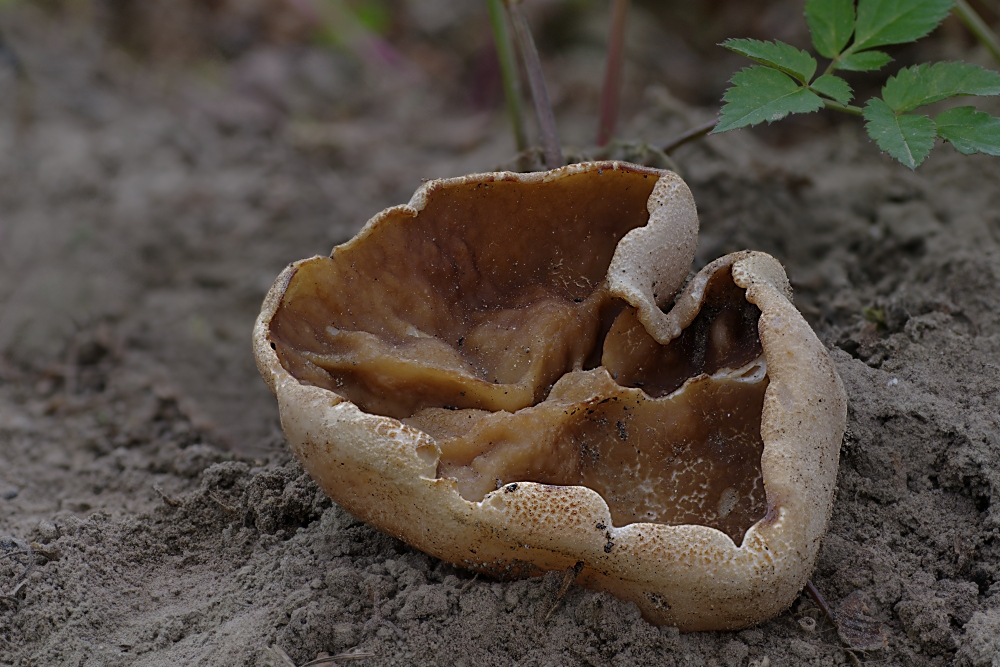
(149, 514)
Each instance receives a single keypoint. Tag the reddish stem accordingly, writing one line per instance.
(612, 88)
(821, 603)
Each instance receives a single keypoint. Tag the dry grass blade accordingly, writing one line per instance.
(332, 659)
(539, 91)
(166, 499)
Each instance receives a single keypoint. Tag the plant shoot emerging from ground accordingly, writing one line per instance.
(851, 36)
(784, 82)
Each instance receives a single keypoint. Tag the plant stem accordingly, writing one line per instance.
(612, 87)
(536, 79)
(844, 108)
(975, 23)
(700, 131)
(821, 603)
(508, 73)
(694, 133)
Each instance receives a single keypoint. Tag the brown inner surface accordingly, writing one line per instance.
(486, 322)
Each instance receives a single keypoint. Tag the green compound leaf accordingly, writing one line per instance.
(831, 23)
(834, 87)
(882, 22)
(763, 94)
(866, 61)
(916, 86)
(970, 131)
(779, 55)
(909, 138)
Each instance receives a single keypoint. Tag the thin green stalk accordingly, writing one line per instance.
(844, 108)
(612, 87)
(536, 79)
(975, 23)
(700, 131)
(693, 134)
(509, 73)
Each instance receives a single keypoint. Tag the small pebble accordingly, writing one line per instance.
(47, 532)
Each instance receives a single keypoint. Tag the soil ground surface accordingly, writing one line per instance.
(149, 511)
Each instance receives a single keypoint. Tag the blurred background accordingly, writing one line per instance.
(329, 59)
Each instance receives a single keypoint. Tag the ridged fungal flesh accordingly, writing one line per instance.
(505, 374)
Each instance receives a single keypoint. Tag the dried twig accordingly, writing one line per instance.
(221, 503)
(326, 660)
(568, 579)
(612, 87)
(166, 499)
(539, 91)
(820, 602)
(467, 584)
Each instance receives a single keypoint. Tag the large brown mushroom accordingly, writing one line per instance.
(489, 374)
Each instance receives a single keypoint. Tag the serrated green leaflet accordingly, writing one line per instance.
(834, 87)
(909, 138)
(779, 55)
(916, 86)
(882, 22)
(831, 23)
(866, 61)
(969, 131)
(763, 94)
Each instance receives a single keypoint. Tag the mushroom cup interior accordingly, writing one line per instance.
(487, 321)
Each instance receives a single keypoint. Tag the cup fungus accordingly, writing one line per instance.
(489, 373)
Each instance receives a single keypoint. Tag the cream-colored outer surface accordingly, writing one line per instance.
(690, 576)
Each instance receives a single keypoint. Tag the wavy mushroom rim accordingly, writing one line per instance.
(686, 239)
(772, 563)
(796, 514)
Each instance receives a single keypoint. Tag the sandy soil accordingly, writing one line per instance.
(149, 514)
